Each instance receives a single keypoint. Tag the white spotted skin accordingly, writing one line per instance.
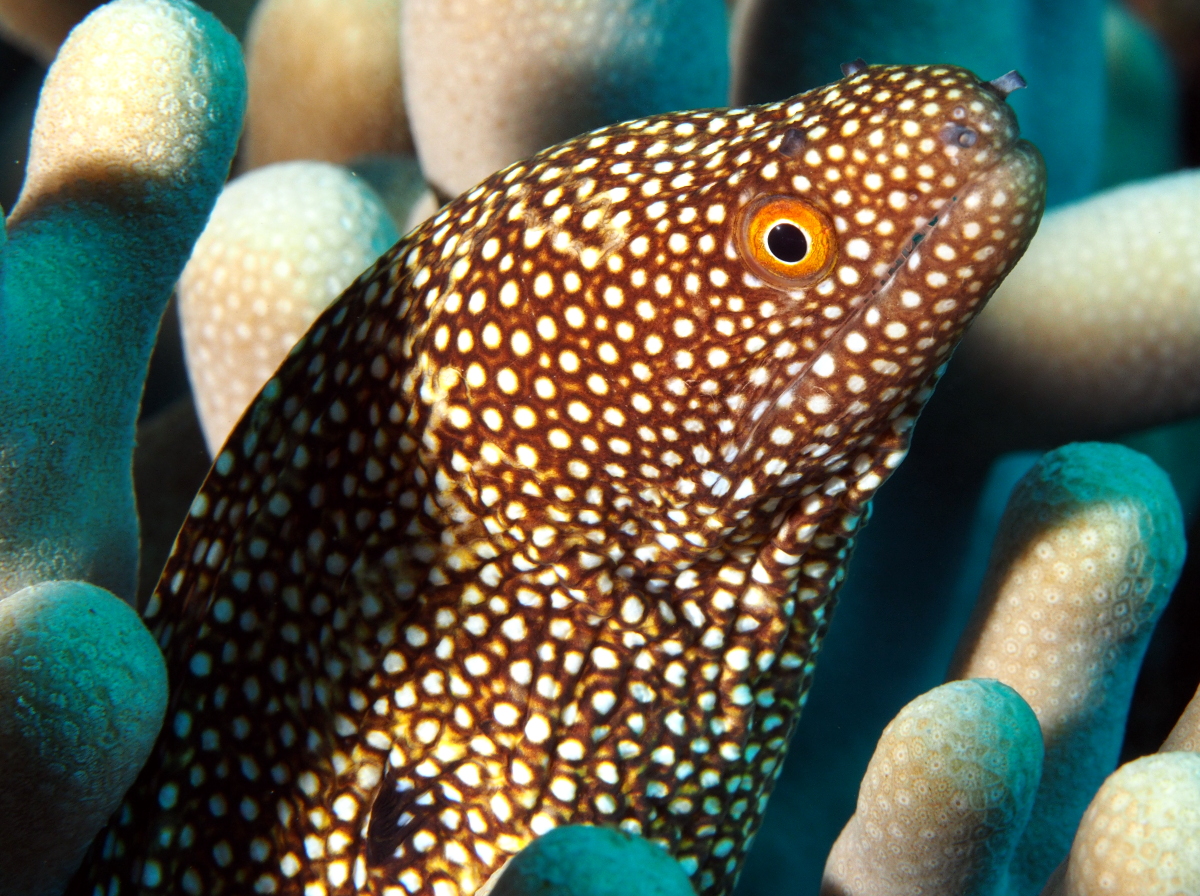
(543, 520)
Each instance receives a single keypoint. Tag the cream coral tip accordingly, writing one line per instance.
(1185, 736)
(1088, 550)
(129, 100)
(944, 799)
(1098, 327)
(1089, 546)
(324, 80)
(488, 82)
(1141, 834)
(282, 243)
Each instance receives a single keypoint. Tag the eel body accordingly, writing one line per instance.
(542, 522)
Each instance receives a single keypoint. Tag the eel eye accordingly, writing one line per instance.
(787, 241)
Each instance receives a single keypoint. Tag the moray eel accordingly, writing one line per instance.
(543, 520)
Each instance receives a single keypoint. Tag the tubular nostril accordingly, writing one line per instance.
(853, 68)
(959, 135)
(1007, 83)
(793, 142)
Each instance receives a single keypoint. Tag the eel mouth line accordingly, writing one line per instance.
(922, 232)
(937, 217)
(761, 409)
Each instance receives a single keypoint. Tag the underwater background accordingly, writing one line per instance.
(1113, 97)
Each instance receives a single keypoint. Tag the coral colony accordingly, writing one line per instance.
(510, 573)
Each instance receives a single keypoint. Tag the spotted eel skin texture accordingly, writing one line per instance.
(543, 520)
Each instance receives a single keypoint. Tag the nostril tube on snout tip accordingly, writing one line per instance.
(1007, 83)
(853, 68)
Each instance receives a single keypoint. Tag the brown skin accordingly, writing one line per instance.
(543, 520)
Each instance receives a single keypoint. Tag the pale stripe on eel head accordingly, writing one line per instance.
(542, 521)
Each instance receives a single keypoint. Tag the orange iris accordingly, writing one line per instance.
(788, 241)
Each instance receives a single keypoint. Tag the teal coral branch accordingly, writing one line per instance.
(83, 690)
(136, 128)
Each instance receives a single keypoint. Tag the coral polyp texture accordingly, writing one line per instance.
(83, 691)
(135, 129)
(488, 82)
(281, 244)
(945, 798)
(324, 81)
(1099, 327)
(542, 521)
(1141, 834)
(1186, 733)
(1089, 547)
(134, 133)
(1088, 550)
(582, 860)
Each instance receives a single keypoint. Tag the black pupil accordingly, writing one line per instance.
(787, 243)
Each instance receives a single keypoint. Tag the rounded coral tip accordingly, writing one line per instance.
(83, 691)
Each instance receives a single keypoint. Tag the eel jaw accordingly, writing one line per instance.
(899, 339)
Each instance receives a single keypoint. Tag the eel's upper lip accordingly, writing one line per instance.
(1017, 145)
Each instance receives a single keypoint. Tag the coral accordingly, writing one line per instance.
(579, 860)
(324, 80)
(488, 82)
(945, 797)
(1141, 833)
(135, 131)
(1082, 337)
(281, 244)
(83, 691)
(1088, 550)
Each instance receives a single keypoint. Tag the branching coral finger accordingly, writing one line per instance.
(282, 243)
(1098, 327)
(945, 798)
(135, 130)
(488, 82)
(581, 860)
(1089, 548)
(134, 134)
(1141, 834)
(83, 690)
(324, 81)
